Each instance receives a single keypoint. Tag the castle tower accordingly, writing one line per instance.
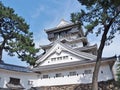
(69, 59)
(66, 31)
(71, 35)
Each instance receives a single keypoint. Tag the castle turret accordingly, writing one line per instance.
(68, 32)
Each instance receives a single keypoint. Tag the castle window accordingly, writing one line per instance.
(30, 82)
(53, 59)
(0, 79)
(88, 72)
(65, 57)
(63, 34)
(72, 73)
(101, 71)
(51, 35)
(73, 45)
(58, 75)
(14, 81)
(45, 76)
(59, 58)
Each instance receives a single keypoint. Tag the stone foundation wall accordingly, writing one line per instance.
(104, 85)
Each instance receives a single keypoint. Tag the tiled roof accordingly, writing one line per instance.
(14, 67)
(63, 23)
(66, 48)
(86, 47)
(68, 26)
(64, 39)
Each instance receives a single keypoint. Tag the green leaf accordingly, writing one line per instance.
(16, 37)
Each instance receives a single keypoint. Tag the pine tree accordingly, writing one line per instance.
(102, 17)
(15, 37)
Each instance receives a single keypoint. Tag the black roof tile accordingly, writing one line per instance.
(14, 67)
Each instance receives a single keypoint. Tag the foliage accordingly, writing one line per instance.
(99, 13)
(15, 37)
(103, 18)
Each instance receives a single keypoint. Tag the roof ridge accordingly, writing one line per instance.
(63, 23)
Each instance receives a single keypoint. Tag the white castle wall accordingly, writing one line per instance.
(24, 78)
(76, 45)
(77, 79)
(71, 58)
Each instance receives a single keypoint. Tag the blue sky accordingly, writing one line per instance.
(45, 14)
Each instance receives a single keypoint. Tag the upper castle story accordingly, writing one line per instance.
(70, 35)
(66, 31)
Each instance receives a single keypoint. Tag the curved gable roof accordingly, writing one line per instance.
(65, 48)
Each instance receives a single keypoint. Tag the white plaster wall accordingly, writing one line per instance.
(24, 78)
(52, 80)
(107, 73)
(77, 79)
(71, 58)
(70, 37)
(77, 44)
(115, 67)
(73, 36)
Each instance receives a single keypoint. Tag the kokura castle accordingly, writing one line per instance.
(67, 63)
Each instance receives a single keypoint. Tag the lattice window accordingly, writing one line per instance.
(45, 76)
(14, 81)
(59, 75)
(30, 82)
(88, 72)
(72, 73)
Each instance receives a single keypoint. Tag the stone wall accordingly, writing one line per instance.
(104, 85)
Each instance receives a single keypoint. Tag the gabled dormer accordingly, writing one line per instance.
(60, 53)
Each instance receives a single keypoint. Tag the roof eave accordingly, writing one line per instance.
(110, 60)
(58, 28)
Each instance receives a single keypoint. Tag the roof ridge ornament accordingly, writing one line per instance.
(63, 23)
(58, 50)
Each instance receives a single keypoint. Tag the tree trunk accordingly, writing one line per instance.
(99, 55)
(98, 61)
(1, 55)
(1, 50)
(95, 76)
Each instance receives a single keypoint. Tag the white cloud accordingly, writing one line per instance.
(37, 12)
(62, 11)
